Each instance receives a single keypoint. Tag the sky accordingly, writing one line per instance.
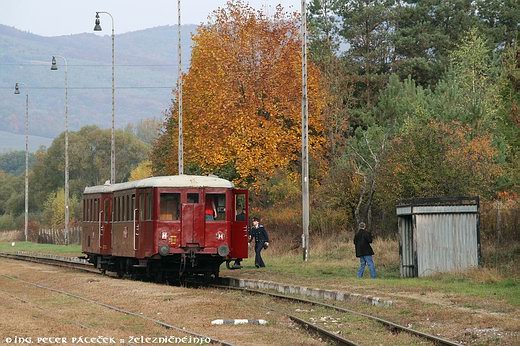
(64, 17)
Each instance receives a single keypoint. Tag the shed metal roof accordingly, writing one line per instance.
(163, 181)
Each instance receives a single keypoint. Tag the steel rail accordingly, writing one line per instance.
(87, 267)
(35, 259)
(336, 339)
(391, 325)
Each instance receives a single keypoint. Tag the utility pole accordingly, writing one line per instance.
(179, 90)
(26, 192)
(305, 139)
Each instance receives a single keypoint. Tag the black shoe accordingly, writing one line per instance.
(256, 265)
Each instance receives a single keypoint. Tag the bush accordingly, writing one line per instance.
(7, 222)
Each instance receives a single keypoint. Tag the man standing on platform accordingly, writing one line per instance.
(364, 251)
(259, 234)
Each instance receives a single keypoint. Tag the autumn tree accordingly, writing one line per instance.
(241, 97)
(434, 158)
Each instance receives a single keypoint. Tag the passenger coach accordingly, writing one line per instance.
(165, 227)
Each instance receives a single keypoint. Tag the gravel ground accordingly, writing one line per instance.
(463, 318)
(32, 312)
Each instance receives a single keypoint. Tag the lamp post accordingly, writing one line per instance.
(17, 92)
(97, 27)
(54, 67)
(305, 139)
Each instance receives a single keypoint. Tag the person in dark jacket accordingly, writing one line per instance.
(259, 234)
(364, 251)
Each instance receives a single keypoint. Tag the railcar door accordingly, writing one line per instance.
(192, 225)
(239, 225)
(143, 223)
(105, 224)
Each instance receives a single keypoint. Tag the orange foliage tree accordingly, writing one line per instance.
(242, 97)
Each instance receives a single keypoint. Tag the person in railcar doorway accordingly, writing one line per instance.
(364, 251)
(259, 234)
(210, 211)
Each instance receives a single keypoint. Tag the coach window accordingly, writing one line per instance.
(169, 204)
(115, 205)
(193, 198)
(119, 208)
(149, 204)
(106, 215)
(132, 204)
(216, 202)
(89, 210)
(96, 209)
(141, 207)
(125, 208)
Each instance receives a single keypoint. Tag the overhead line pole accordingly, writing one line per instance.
(305, 139)
(179, 90)
(26, 192)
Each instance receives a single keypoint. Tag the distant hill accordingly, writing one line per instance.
(25, 57)
(13, 142)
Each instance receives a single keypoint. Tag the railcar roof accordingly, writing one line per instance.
(164, 181)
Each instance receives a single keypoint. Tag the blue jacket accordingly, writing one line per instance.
(259, 234)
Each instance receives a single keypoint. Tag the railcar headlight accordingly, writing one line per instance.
(223, 250)
(164, 250)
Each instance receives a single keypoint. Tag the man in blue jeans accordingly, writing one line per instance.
(364, 251)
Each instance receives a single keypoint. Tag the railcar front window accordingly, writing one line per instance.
(170, 206)
(193, 198)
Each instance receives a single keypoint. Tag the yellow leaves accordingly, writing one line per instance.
(143, 170)
(242, 94)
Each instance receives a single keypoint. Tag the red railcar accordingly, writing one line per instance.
(167, 226)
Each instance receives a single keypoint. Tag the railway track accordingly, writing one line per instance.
(312, 327)
(89, 268)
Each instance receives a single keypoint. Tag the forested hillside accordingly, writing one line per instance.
(146, 71)
(407, 99)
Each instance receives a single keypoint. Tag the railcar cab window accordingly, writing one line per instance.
(215, 207)
(240, 207)
(170, 206)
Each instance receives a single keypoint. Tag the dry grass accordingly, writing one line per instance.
(337, 250)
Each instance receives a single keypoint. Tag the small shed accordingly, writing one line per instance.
(438, 235)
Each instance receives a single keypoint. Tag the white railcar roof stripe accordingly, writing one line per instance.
(164, 181)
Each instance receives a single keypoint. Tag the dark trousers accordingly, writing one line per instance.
(258, 256)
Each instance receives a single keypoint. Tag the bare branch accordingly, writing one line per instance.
(369, 148)
(361, 157)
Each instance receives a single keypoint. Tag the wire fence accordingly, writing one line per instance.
(59, 236)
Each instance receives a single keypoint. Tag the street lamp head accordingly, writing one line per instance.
(54, 66)
(16, 89)
(97, 27)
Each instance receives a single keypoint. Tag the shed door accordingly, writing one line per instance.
(406, 247)
(192, 225)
